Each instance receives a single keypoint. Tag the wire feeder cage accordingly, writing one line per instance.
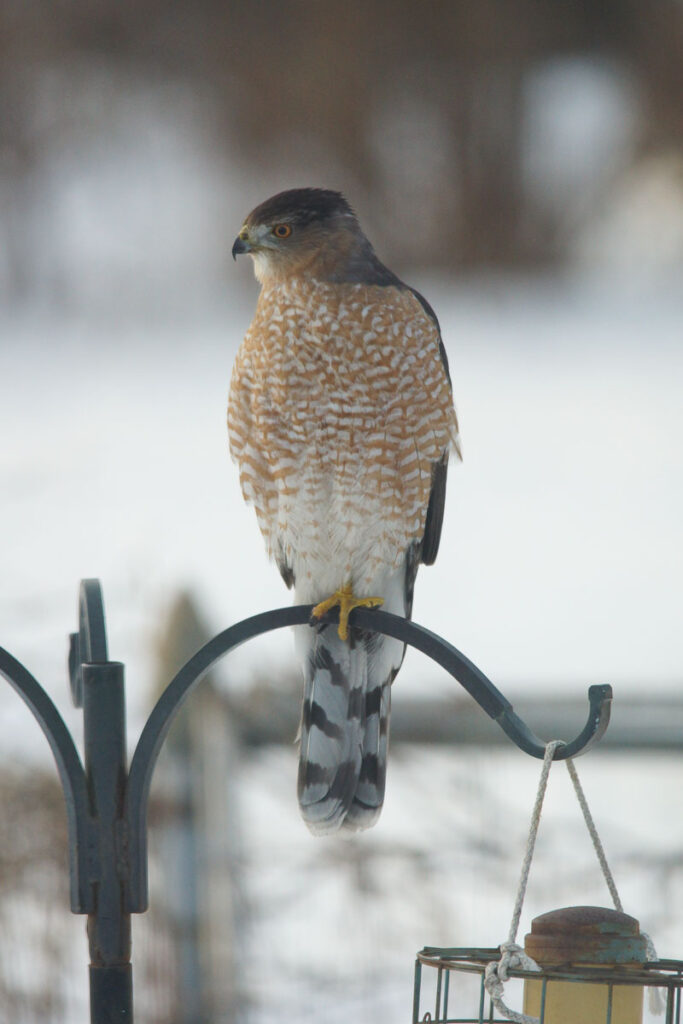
(596, 973)
(666, 976)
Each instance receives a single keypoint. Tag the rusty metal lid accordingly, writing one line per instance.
(586, 935)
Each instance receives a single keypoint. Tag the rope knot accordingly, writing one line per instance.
(512, 957)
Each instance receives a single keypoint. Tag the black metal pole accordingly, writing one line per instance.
(104, 725)
(107, 808)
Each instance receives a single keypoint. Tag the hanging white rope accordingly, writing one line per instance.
(593, 833)
(513, 956)
(531, 841)
(654, 995)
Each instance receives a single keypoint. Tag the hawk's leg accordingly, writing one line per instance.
(346, 601)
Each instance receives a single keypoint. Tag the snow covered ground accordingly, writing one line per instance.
(561, 561)
(560, 566)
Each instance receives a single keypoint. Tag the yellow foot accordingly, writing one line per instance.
(347, 602)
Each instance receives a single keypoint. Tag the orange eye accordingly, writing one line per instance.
(282, 230)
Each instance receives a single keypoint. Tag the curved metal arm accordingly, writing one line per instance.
(159, 722)
(107, 809)
(90, 643)
(460, 667)
(600, 701)
(89, 646)
(71, 774)
(485, 693)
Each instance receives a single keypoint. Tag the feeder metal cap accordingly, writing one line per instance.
(585, 935)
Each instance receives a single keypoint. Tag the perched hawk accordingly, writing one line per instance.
(341, 421)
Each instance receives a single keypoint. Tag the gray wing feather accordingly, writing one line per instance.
(437, 497)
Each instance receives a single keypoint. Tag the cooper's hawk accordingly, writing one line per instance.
(341, 420)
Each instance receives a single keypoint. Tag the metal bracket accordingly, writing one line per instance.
(107, 805)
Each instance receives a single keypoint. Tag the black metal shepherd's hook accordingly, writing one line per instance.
(106, 802)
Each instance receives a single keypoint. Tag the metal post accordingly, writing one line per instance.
(111, 988)
(107, 808)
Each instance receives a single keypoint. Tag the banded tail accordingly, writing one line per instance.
(344, 729)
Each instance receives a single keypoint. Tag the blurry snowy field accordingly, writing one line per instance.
(560, 566)
(561, 561)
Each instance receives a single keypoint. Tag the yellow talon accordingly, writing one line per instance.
(347, 602)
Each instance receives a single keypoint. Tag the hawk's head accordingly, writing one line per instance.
(296, 230)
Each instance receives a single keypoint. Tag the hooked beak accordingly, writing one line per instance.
(242, 245)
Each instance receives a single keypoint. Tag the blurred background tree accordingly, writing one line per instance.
(469, 134)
